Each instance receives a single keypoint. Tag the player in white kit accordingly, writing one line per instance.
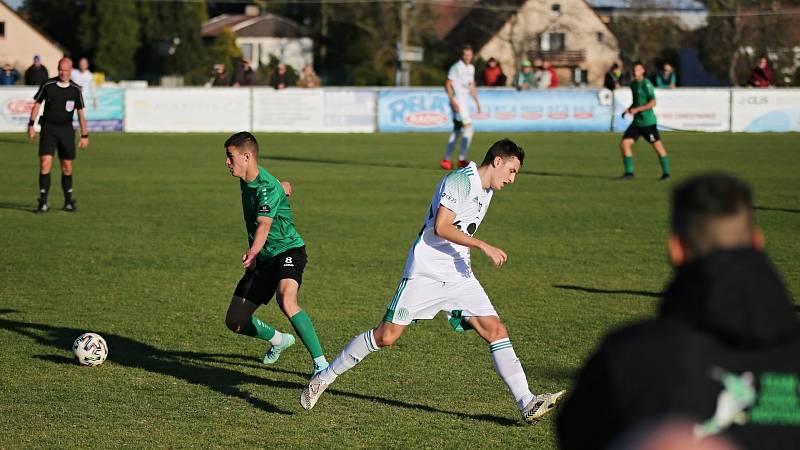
(460, 86)
(438, 277)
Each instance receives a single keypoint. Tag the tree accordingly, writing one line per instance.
(224, 49)
(58, 18)
(171, 40)
(652, 40)
(109, 32)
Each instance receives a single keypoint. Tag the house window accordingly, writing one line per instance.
(552, 42)
(555, 9)
(600, 36)
(247, 51)
(580, 77)
(2, 29)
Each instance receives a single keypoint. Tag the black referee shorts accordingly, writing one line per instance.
(650, 133)
(56, 137)
(259, 285)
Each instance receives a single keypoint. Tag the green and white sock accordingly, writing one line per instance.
(510, 370)
(258, 329)
(305, 329)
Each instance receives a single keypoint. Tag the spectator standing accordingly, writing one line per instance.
(245, 75)
(723, 348)
(309, 78)
(220, 76)
(36, 73)
(84, 78)
(553, 76)
(9, 76)
(613, 78)
(525, 78)
(493, 74)
(541, 76)
(665, 78)
(281, 78)
(761, 76)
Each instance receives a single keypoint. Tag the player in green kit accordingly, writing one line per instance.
(276, 258)
(644, 123)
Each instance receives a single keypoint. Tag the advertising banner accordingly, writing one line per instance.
(313, 110)
(187, 109)
(681, 109)
(759, 110)
(106, 111)
(15, 108)
(501, 110)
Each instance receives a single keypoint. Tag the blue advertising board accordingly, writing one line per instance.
(501, 110)
(106, 111)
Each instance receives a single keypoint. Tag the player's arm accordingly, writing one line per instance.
(259, 239)
(473, 91)
(444, 228)
(448, 87)
(287, 188)
(84, 142)
(32, 121)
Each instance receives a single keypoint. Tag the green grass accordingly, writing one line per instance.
(152, 257)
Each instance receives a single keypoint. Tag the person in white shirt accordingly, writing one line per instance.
(460, 85)
(84, 78)
(438, 277)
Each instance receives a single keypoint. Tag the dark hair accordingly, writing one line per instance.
(243, 140)
(637, 63)
(614, 66)
(465, 47)
(504, 148)
(700, 200)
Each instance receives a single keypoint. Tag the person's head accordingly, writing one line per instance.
(37, 61)
(281, 68)
(537, 62)
(241, 151)
(7, 67)
(504, 160)
(711, 212)
(83, 64)
(467, 54)
(64, 69)
(667, 68)
(526, 66)
(638, 70)
(245, 64)
(546, 64)
(763, 62)
(614, 67)
(492, 62)
(219, 68)
(308, 69)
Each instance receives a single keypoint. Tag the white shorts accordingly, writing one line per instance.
(463, 114)
(422, 298)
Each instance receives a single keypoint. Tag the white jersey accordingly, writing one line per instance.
(462, 77)
(434, 257)
(85, 80)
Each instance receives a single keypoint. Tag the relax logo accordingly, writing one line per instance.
(420, 110)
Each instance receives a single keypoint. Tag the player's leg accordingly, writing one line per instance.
(253, 288)
(458, 128)
(630, 136)
(66, 153)
(47, 147)
(287, 300)
(654, 139)
(465, 141)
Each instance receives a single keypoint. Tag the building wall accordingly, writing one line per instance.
(290, 51)
(576, 20)
(22, 42)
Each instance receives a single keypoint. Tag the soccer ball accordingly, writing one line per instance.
(90, 349)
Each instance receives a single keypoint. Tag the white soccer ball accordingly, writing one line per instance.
(90, 349)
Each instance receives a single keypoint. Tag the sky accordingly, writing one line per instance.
(14, 3)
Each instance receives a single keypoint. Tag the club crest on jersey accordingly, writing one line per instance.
(70, 105)
(264, 209)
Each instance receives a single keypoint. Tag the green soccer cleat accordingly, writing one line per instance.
(272, 355)
(539, 406)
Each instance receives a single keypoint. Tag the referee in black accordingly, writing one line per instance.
(61, 98)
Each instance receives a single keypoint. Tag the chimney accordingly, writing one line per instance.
(252, 10)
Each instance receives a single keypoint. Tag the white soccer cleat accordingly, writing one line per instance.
(539, 406)
(312, 392)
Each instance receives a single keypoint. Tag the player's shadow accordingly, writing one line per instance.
(767, 208)
(195, 368)
(17, 206)
(590, 290)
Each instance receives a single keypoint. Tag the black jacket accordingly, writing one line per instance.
(727, 313)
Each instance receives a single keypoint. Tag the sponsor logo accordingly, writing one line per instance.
(426, 119)
(265, 209)
(558, 115)
(505, 115)
(533, 115)
(583, 115)
(754, 100)
(420, 110)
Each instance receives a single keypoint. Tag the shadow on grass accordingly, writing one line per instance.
(194, 368)
(767, 208)
(17, 206)
(608, 291)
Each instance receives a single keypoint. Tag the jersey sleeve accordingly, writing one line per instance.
(452, 74)
(40, 96)
(79, 104)
(650, 92)
(268, 197)
(455, 191)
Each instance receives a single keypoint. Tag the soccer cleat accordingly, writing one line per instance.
(446, 164)
(319, 368)
(274, 352)
(70, 206)
(627, 176)
(312, 392)
(665, 177)
(463, 163)
(539, 406)
(42, 208)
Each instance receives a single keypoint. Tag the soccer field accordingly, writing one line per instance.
(152, 256)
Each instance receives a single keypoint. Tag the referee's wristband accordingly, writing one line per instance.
(84, 136)
(31, 122)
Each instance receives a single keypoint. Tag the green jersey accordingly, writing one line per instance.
(643, 92)
(264, 197)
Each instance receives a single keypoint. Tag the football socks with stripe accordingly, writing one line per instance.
(355, 350)
(510, 370)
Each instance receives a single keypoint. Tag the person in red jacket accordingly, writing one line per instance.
(548, 66)
(761, 76)
(493, 74)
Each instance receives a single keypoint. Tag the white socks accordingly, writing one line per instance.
(451, 144)
(355, 350)
(510, 370)
(277, 338)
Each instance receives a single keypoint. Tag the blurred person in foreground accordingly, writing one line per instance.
(309, 79)
(723, 350)
(36, 74)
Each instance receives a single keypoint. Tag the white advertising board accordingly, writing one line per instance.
(187, 109)
(313, 110)
(681, 109)
(759, 110)
(15, 108)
